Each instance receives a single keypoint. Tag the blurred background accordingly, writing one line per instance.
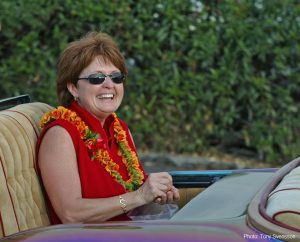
(214, 78)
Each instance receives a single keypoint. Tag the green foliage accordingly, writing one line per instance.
(203, 74)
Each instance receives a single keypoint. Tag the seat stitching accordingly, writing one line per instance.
(9, 193)
(36, 134)
(14, 111)
(31, 150)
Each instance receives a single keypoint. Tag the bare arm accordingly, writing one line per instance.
(58, 164)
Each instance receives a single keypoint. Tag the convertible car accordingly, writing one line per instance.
(224, 205)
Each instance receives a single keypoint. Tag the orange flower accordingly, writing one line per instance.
(66, 115)
(121, 136)
(55, 114)
(76, 120)
(45, 119)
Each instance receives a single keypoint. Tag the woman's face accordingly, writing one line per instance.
(101, 99)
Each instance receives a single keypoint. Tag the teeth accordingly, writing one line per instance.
(106, 95)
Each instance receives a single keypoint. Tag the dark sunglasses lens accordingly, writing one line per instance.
(96, 80)
(117, 78)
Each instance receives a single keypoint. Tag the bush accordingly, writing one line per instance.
(203, 74)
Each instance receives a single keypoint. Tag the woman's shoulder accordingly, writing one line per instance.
(60, 125)
(56, 134)
(59, 130)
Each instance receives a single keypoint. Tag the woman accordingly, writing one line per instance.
(86, 155)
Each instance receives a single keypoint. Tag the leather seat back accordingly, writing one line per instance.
(22, 204)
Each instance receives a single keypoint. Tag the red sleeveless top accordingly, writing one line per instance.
(96, 182)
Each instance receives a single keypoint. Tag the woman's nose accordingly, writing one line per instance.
(108, 82)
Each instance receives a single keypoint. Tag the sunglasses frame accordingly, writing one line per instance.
(99, 78)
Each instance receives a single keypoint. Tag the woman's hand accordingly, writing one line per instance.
(172, 195)
(158, 188)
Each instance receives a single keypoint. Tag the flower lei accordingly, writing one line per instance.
(97, 149)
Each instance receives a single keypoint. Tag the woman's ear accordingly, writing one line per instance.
(73, 90)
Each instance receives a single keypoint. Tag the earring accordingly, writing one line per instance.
(76, 99)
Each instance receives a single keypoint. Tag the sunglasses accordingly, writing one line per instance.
(98, 78)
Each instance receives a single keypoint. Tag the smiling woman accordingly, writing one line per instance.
(86, 156)
(100, 99)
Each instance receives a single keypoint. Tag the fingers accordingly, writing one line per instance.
(176, 195)
(162, 177)
(161, 199)
(165, 188)
(159, 188)
(157, 200)
(170, 196)
(153, 188)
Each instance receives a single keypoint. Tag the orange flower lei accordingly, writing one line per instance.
(97, 148)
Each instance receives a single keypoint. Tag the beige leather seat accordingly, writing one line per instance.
(22, 204)
(283, 202)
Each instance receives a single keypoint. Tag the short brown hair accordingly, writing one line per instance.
(79, 54)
